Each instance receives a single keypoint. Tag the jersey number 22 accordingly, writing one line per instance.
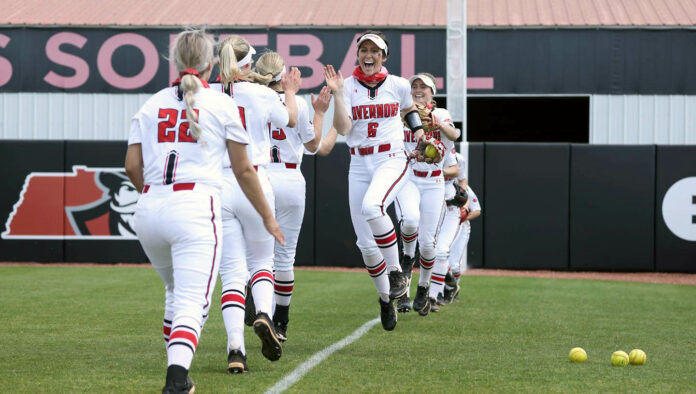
(165, 128)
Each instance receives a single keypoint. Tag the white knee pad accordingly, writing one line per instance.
(371, 210)
(409, 225)
(283, 265)
(368, 251)
(233, 275)
(260, 266)
(442, 254)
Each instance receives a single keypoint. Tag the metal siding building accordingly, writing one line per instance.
(639, 119)
(614, 118)
(75, 116)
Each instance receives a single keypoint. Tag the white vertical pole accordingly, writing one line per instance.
(456, 77)
(456, 62)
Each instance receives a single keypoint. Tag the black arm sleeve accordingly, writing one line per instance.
(413, 121)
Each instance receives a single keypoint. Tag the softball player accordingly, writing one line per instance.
(176, 145)
(288, 144)
(420, 203)
(457, 259)
(246, 249)
(367, 111)
(447, 233)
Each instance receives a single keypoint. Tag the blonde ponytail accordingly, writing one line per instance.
(192, 49)
(233, 49)
(268, 66)
(258, 78)
(190, 85)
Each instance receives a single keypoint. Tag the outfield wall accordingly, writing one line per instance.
(546, 206)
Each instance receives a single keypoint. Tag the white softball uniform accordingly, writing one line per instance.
(289, 187)
(178, 216)
(447, 233)
(378, 168)
(458, 249)
(248, 246)
(420, 203)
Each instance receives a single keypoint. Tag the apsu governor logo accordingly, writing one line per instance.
(87, 203)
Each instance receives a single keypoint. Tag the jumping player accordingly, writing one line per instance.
(176, 144)
(246, 249)
(420, 203)
(368, 111)
(288, 145)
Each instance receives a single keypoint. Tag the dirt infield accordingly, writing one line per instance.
(647, 277)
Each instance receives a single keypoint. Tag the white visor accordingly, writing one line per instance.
(426, 80)
(280, 75)
(247, 59)
(377, 40)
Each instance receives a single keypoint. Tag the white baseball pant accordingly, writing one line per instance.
(419, 204)
(374, 180)
(447, 233)
(458, 250)
(247, 251)
(180, 232)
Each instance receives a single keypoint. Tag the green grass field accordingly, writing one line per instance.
(98, 329)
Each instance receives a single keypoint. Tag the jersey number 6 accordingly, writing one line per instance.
(372, 130)
(165, 128)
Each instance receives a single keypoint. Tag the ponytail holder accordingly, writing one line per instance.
(189, 71)
(280, 75)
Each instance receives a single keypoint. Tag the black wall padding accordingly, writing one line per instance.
(305, 244)
(334, 235)
(612, 198)
(526, 206)
(676, 253)
(475, 248)
(18, 159)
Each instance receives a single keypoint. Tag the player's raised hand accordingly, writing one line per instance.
(274, 229)
(292, 81)
(334, 80)
(321, 103)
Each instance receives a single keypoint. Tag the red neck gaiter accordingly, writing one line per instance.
(374, 78)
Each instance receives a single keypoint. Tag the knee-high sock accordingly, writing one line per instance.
(437, 281)
(166, 330)
(262, 290)
(457, 275)
(232, 304)
(426, 269)
(183, 341)
(409, 236)
(377, 269)
(284, 284)
(385, 236)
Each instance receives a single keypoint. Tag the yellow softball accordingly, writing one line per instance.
(637, 357)
(619, 358)
(430, 152)
(577, 355)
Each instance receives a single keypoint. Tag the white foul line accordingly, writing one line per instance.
(318, 357)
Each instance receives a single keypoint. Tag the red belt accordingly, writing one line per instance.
(424, 174)
(177, 187)
(371, 149)
(290, 165)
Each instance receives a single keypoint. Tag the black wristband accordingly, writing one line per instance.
(413, 121)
